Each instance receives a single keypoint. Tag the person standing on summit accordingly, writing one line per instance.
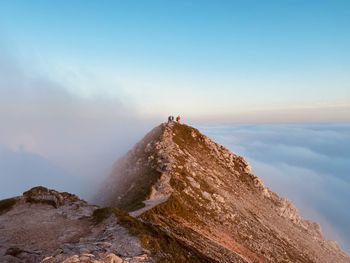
(178, 118)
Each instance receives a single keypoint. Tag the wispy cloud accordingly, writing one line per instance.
(77, 135)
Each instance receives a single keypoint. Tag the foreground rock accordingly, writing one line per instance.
(48, 226)
(206, 197)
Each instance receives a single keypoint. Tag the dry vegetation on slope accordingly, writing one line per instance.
(214, 204)
(48, 226)
(189, 200)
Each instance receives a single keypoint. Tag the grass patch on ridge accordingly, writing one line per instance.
(6, 205)
(165, 248)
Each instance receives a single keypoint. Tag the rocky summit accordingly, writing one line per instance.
(177, 196)
(198, 192)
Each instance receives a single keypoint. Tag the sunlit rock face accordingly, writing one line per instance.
(205, 196)
(177, 196)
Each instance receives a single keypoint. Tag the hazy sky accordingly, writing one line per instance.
(246, 61)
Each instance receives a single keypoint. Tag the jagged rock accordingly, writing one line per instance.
(190, 200)
(46, 196)
(53, 227)
(289, 211)
(214, 204)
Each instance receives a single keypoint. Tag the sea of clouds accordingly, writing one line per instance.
(307, 163)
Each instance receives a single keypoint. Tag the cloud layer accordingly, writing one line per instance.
(309, 164)
(47, 131)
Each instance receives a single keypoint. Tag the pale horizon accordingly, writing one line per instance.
(232, 62)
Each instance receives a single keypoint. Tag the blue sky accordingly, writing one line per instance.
(271, 61)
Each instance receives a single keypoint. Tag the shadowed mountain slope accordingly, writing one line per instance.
(205, 197)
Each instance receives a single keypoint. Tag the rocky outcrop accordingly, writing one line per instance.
(50, 226)
(43, 195)
(213, 203)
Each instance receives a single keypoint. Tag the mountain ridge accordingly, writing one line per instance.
(206, 191)
(176, 196)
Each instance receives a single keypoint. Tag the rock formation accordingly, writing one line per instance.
(177, 196)
(199, 193)
(47, 226)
